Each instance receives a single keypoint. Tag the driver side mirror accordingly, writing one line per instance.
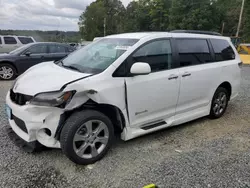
(140, 68)
(27, 53)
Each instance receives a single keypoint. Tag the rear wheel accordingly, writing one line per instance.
(7, 72)
(219, 103)
(86, 136)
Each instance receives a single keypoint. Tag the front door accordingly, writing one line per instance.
(36, 54)
(152, 98)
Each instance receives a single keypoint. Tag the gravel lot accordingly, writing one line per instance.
(202, 153)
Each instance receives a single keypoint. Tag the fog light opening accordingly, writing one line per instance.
(47, 131)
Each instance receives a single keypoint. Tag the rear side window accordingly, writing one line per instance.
(157, 54)
(222, 49)
(25, 40)
(0, 40)
(57, 49)
(9, 40)
(193, 52)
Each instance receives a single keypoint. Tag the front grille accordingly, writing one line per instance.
(20, 123)
(18, 98)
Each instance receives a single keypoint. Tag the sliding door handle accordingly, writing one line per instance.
(186, 74)
(172, 77)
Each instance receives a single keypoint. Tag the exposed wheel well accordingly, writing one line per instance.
(112, 112)
(10, 63)
(228, 87)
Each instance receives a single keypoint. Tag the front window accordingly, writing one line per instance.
(98, 56)
(20, 49)
(38, 49)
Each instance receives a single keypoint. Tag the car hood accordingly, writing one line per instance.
(6, 56)
(45, 77)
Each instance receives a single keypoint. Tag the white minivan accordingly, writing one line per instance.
(127, 84)
(9, 43)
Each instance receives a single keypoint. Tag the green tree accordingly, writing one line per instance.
(230, 10)
(138, 16)
(246, 22)
(195, 15)
(92, 19)
(159, 14)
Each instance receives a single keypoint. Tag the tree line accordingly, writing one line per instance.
(46, 36)
(110, 17)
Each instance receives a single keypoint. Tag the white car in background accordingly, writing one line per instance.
(129, 84)
(9, 43)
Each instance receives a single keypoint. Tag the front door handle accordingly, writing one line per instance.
(172, 77)
(186, 74)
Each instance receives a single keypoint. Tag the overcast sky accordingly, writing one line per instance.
(43, 14)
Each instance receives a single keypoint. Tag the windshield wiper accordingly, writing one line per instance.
(72, 67)
(60, 63)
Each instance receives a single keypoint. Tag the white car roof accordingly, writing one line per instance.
(15, 36)
(138, 35)
(141, 35)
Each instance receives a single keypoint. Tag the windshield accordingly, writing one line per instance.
(98, 56)
(20, 49)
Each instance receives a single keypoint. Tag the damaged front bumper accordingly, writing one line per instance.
(34, 123)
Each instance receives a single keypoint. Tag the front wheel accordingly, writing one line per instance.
(86, 136)
(219, 103)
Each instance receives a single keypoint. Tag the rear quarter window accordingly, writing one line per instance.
(222, 49)
(54, 48)
(10, 40)
(25, 40)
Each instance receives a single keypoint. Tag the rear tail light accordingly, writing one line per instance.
(240, 64)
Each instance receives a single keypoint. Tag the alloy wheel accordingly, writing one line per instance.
(220, 103)
(90, 139)
(6, 72)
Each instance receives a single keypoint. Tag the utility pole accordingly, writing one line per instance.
(240, 19)
(223, 26)
(104, 27)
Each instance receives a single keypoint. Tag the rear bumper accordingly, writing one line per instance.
(32, 121)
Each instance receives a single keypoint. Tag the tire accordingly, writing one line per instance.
(217, 112)
(78, 141)
(10, 72)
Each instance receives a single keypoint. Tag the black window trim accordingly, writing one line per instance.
(128, 60)
(211, 50)
(192, 38)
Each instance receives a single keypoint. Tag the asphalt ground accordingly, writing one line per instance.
(202, 153)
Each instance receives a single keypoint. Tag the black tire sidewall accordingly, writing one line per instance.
(219, 90)
(13, 69)
(68, 133)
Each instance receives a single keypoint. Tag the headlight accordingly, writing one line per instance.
(55, 99)
(14, 83)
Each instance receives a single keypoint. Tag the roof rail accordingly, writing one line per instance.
(196, 32)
